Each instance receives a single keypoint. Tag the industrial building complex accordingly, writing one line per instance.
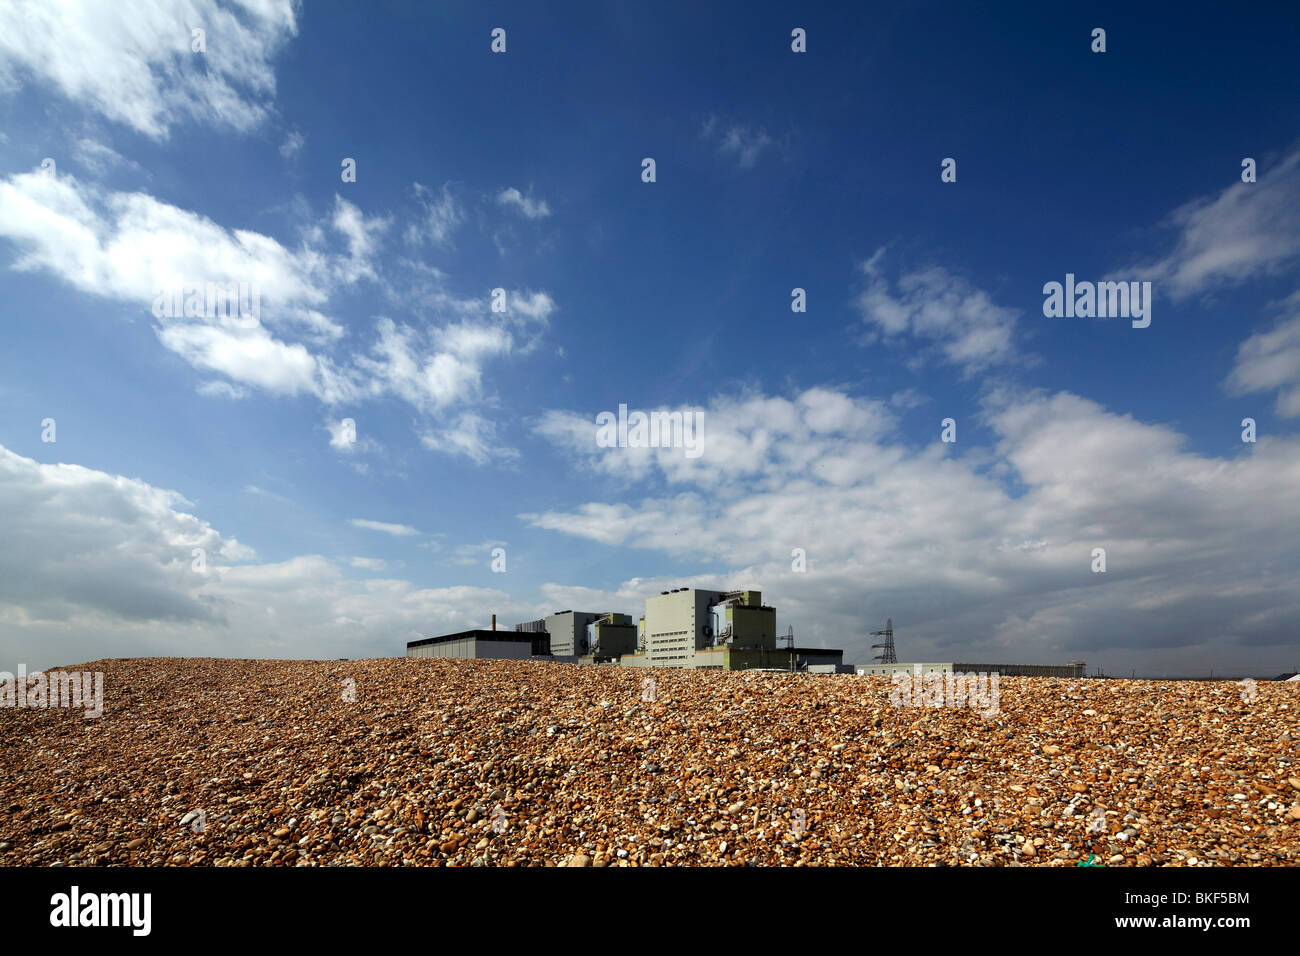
(691, 628)
(685, 627)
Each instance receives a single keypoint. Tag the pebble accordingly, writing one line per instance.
(721, 769)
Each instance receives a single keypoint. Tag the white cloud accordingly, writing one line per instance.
(245, 351)
(738, 140)
(368, 564)
(219, 389)
(967, 327)
(77, 540)
(263, 493)
(534, 305)
(907, 398)
(532, 209)
(128, 246)
(396, 530)
(1271, 360)
(439, 216)
(344, 437)
(980, 554)
(740, 438)
(470, 436)
(426, 378)
(1246, 231)
(292, 144)
(94, 565)
(98, 158)
(131, 60)
(363, 238)
(475, 555)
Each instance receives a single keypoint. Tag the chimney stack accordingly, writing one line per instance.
(494, 622)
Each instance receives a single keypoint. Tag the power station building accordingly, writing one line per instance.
(718, 630)
(609, 637)
(685, 627)
(588, 636)
(568, 630)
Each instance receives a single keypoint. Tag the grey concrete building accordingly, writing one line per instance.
(610, 636)
(568, 630)
(499, 645)
(718, 630)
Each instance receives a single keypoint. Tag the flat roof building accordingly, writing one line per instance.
(497, 645)
(1072, 669)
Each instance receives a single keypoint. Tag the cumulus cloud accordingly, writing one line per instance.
(985, 553)
(740, 438)
(963, 323)
(132, 61)
(78, 541)
(95, 565)
(129, 247)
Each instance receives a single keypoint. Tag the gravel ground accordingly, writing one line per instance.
(504, 763)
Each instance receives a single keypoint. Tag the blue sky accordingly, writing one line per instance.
(774, 170)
